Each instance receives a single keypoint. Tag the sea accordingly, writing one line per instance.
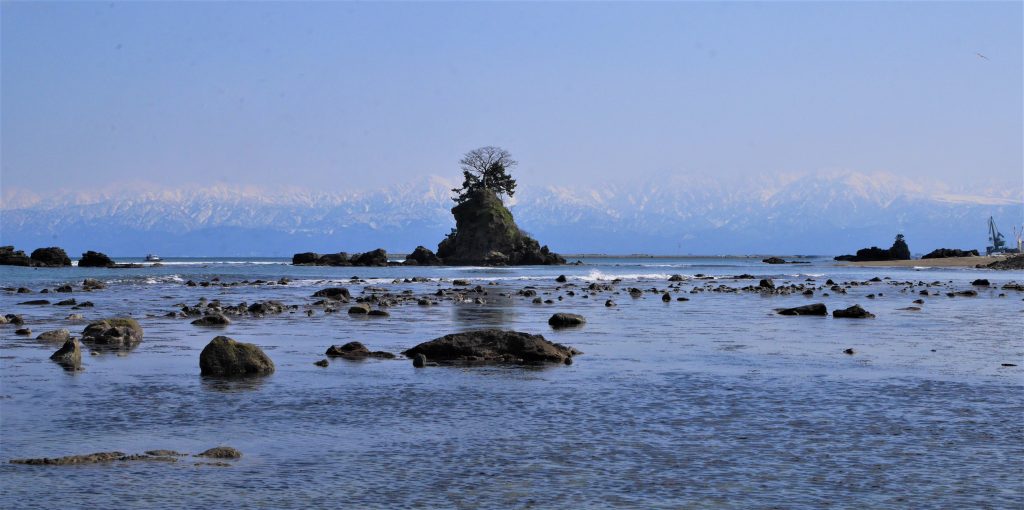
(712, 402)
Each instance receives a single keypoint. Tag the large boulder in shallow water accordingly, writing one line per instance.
(335, 293)
(225, 357)
(421, 256)
(486, 234)
(69, 355)
(814, 309)
(118, 333)
(50, 257)
(493, 345)
(95, 259)
(566, 320)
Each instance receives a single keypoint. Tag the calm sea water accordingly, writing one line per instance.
(716, 402)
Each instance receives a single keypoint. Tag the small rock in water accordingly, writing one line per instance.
(23, 332)
(378, 313)
(981, 282)
(848, 351)
(419, 361)
(666, 297)
(221, 452)
(69, 355)
(561, 279)
(58, 335)
(322, 363)
(359, 309)
(767, 283)
(853, 312)
(224, 356)
(213, 319)
(813, 309)
(609, 303)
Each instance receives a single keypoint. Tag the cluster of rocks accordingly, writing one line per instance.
(377, 257)
(214, 313)
(40, 257)
(1009, 263)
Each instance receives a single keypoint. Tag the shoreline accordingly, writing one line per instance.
(943, 262)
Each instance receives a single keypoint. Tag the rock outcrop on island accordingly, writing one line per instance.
(898, 251)
(41, 257)
(11, 257)
(95, 259)
(493, 345)
(50, 257)
(377, 257)
(486, 234)
(421, 256)
(943, 253)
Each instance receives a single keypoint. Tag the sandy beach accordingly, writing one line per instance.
(946, 262)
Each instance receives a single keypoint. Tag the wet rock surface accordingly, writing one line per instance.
(812, 309)
(566, 320)
(356, 350)
(120, 333)
(853, 312)
(493, 345)
(226, 357)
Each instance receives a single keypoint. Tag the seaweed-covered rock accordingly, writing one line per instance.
(305, 259)
(212, 319)
(335, 293)
(119, 333)
(566, 320)
(221, 452)
(226, 357)
(493, 345)
(55, 336)
(50, 257)
(95, 259)
(421, 256)
(486, 234)
(69, 355)
(813, 309)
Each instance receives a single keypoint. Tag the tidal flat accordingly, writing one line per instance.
(704, 398)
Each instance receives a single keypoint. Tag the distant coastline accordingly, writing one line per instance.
(943, 262)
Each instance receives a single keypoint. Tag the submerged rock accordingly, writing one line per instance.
(356, 350)
(335, 293)
(213, 319)
(493, 345)
(57, 335)
(813, 309)
(119, 333)
(91, 458)
(853, 312)
(565, 320)
(226, 357)
(221, 452)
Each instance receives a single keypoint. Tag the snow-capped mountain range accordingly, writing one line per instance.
(782, 214)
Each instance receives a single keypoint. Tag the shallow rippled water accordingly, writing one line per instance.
(716, 402)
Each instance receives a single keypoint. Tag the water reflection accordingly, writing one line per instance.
(232, 384)
(478, 316)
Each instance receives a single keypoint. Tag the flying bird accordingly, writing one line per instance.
(980, 55)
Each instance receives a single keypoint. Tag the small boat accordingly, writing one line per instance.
(153, 258)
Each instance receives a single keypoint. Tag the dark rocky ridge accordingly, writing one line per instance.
(942, 253)
(41, 257)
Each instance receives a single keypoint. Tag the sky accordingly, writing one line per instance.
(336, 96)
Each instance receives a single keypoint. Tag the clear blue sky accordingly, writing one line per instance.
(340, 95)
